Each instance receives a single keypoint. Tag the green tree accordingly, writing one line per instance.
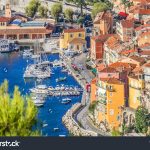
(18, 115)
(56, 10)
(100, 7)
(69, 14)
(127, 4)
(142, 119)
(32, 8)
(43, 11)
(79, 3)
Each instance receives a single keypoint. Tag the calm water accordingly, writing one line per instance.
(12, 67)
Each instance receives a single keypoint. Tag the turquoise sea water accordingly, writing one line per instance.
(12, 67)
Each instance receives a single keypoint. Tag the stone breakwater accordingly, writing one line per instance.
(72, 125)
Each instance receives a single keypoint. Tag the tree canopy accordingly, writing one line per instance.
(18, 114)
(69, 13)
(142, 119)
(32, 8)
(100, 7)
(56, 10)
(43, 11)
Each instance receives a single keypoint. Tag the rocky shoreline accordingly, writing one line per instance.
(72, 125)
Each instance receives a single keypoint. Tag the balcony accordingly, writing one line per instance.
(111, 89)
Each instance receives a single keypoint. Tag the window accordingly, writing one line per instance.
(80, 35)
(110, 101)
(71, 35)
(118, 118)
(111, 94)
(111, 111)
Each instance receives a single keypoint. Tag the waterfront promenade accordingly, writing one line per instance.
(80, 115)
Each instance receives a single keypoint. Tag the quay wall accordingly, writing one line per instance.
(72, 125)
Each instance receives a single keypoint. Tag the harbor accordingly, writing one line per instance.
(51, 107)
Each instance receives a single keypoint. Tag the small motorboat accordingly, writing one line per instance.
(56, 129)
(45, 125)
(61, 79)
(62, 135)
(66, 101)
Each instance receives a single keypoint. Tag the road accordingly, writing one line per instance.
(81, 116)
(20, 5)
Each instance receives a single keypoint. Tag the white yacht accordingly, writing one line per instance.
(40, 89)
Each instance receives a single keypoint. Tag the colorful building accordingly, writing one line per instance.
(136, 86)
(110, 94)
(97, 49)
(18, 28)
(125, 29)
(103, 23)
(73, 38)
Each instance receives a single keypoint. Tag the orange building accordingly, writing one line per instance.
(97, 49)
(111, 101)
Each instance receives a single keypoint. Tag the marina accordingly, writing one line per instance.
(52, 106)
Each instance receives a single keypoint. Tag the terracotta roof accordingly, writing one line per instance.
(123, 65)
(109, 70)
(142, 27)
(74, 30)
(111, 80)
(144, 11)
(100, 67)
(101, 38)
(126, 52)
(4, 19)
(147, 65)
(141, 1)
(127, 23)
(146, 53)
(25, 31)
(138, 59)
(78, 41)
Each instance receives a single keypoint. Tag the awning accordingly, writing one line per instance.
(94, 70)
(91, 64)
(123, 14)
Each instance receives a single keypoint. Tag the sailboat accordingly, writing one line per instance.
(40, 68)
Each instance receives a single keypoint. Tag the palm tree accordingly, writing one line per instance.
(18, 115)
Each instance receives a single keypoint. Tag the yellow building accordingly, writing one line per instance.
(110, 94)
(68, 38)
(136, 85)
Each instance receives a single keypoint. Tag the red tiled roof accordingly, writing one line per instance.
(128, 51)
(111, 80)
(146, 53)
(101, 38)
(127, 23)
(25, 31)
(109, 70)
(78, 41)
(144, 11)
(121, 66)
(74, 30)
(4, 19)
(138, 59)
(142, 27)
